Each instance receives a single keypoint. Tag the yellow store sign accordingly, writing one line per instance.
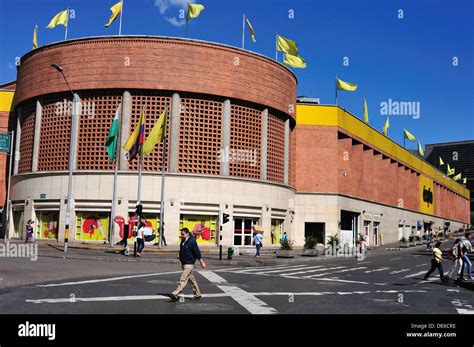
(426, 195)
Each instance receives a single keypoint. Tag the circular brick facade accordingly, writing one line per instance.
(152, 69)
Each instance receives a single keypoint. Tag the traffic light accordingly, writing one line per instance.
(225, 218)
(138, 210)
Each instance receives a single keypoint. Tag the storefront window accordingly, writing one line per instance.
(152, 222)
(203, 227)
(277, 230)
(92, 226)
(47, 224)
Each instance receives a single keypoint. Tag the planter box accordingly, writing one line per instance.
(310, 253)
(282, 253)
(404, 244)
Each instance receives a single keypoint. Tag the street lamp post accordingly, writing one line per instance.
(72, 152)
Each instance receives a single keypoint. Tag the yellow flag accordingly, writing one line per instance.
(252, 33)
(60, 19)
(35, 38)
(286, 45)
(386, 126)
(451, 171)
(341, 85)
(294, 61)
(366, 112)
(116, 10)
(420, 149)
(457, 177)
(156, 134)
(441, 162)
(409, 135)
(194, 10)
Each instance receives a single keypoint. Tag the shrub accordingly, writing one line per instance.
(286, 245)
(333, 239)
(309, 242)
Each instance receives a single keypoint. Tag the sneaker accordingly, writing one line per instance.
(197, 297)
(173, 297)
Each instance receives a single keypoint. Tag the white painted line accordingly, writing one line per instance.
(453, 290)
(248, 301)
(464, 311)
(106, 279)
(376, 270)
(339, 271)
(325, 273)
(399, 271)
(415, 274)
(419, 265)
(381, 284)
(253, 270)
(306, 271)
(338, 280)
(282, 270)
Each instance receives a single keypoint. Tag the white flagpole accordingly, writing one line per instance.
(276, 46)
(67, 24)
(120, 25)
(162, 199)
(139, 193)
(336, 88)
(243, 32)
(114, 193)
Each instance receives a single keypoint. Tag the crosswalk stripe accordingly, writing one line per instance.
(295, 267)
(316, 268)
(306, 269)
(399, 271)
(339, 271)
(376, 270)
(325, 273)
(283, 270)
(414, 275)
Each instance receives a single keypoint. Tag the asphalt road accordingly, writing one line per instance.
(384, 283)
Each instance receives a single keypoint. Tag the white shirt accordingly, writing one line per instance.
(258, 238)
(141, 233)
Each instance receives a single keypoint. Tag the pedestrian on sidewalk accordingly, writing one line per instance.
(429, 239)
(436, 262)
(29, 231)
(257, 239)
(455, 256)
(140, 238)
(188, 253)
(465, 247)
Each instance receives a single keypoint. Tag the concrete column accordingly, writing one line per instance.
(227, 229)
(77, 120)
(287, 151)
(17, 141)
(263, 159)
(125, 127)
(171, 219)
(36, 139)
(122, 210)
(267, 225)
(225, 139)
(29, 213)
(62, 219)
(174, 132)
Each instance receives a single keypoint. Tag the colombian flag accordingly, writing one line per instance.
(135, 141)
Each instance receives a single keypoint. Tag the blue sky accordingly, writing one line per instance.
(408, 59)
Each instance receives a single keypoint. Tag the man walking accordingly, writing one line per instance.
(188, 253)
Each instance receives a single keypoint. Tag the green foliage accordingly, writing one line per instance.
(286, 245)
(333, 239)
(309, 242)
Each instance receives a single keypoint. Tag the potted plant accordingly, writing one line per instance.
(418, 241)
(404, 243)
(286, 249)
(310, 247)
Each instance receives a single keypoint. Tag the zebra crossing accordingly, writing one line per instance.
(355, 273)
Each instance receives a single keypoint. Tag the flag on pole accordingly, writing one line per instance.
(252, 32)
(451, 171)
(111, 142)
(132, 146)
(194, 10)
(286, 45)
(386, 126)
(457, 177)
(441, 162)
(341, 85)
(294, 61)
(464, 180)
(116, 10)
(156, 135)
(366, 112)
(35, 37)
(420, 149)
(60, 19)
(409, 135)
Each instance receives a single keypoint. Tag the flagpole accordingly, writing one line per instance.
(162, 199)
(276, 46)
(139, 192)
(114, 192)
(187, 20)
(336, 89)
(65, 35)
(243, 32)
(120, 25)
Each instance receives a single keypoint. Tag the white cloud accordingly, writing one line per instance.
(173, 21)
(164, 5)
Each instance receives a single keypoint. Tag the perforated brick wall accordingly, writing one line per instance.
(154, 104)
(276, 149)
(27, 137)
(55, 133)
(200, 135)
(97, 114)
(245, 141)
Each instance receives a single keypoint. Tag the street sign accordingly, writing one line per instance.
(5, 143)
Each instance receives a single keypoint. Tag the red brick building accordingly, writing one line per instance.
(235, 144)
